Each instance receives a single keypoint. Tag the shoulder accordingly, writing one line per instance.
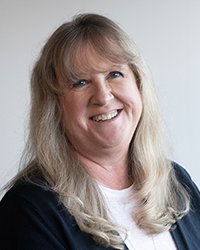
(29, 201)
(33, 203)
(35, 193)
(34, 210)
(32, 215)
(188, 227)
(181, 172)
(185, 179)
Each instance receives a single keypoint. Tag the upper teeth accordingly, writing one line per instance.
(105, 117)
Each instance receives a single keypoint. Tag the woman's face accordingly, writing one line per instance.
(101, 109)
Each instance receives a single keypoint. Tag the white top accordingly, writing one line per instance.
(120, 210)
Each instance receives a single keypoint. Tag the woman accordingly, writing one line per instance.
(96, 173)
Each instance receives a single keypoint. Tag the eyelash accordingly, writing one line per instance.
(81, 83)
(115, 74)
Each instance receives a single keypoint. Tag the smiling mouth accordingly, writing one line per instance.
(106, 117)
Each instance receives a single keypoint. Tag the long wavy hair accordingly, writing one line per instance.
(48, 150)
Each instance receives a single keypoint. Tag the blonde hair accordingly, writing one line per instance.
(162, 200)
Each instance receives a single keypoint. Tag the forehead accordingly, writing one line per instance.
(88, 59)
(92, 62)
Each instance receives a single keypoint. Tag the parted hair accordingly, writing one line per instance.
(160, 197)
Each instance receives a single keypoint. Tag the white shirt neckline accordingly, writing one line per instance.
(120, 206)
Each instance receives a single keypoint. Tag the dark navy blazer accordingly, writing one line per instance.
(32, 218)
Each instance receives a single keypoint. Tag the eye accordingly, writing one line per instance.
(115, 74)
(78, 84)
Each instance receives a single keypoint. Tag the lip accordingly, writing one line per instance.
(118, 112)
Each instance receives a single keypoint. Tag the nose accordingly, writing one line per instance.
(102, 93)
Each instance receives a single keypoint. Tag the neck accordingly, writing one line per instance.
(111, 173)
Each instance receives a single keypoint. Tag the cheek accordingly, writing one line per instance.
(131, 96)
(136, 96)
(67, 111)
(138, 100)
(73, 112)
(134, 103)
(70, 115)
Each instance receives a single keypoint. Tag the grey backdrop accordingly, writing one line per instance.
(167, 33)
